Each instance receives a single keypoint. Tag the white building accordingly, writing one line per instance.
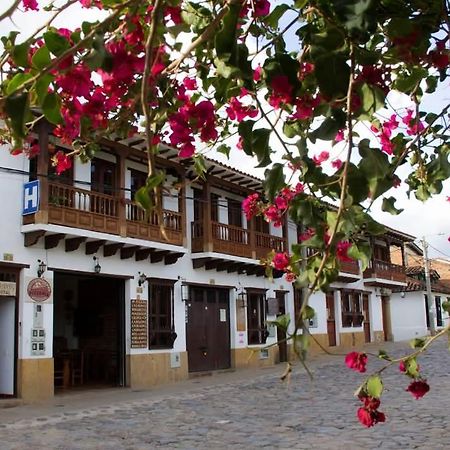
(94, 293)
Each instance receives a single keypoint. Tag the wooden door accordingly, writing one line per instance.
(331, 319)
(103, 176)
(208, 329)
(366, 317)
(385, 310)
(281, 335)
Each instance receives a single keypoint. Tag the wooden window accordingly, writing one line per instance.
(65, 177)
(256, 318)
(214, 207)
(160, 306)
(103, 176)
(351, 309)
(381, 253)
(234, 212)
(198, 204)
(138, 179)
(261, 226)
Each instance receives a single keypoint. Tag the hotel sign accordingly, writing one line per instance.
(7, 288)
(39, 289)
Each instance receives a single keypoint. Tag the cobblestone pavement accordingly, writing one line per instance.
(242, 410)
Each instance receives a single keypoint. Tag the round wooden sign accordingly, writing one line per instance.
(39, 289)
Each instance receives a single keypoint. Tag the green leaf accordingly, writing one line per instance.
(20, 54)
(51, 108)
(18, 80)
(41, 87)
(383, 355)
(333, 75)
(389, 206)
(224, 149)
(41, 59)
(417, 342)
(226, 38)
(17, 109)
(308, 313)
(273, 18)
(372, 99)
(374, 386)
(282, 322)
(411, 367)
(274, 181)
(326, 131)
(446, 306)
(56, 43)
(143, 199)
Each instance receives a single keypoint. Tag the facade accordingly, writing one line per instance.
(95, 293)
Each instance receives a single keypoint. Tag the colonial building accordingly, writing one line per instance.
(94, 292)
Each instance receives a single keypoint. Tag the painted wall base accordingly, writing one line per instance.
(35, 379)
(152, 369)
(246, 358)
(355, 339)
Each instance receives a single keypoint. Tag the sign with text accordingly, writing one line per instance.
(8, 288)
(30, 203)
(39, 289)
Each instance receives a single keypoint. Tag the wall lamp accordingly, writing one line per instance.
(142, 278)
(242, 298)
(97, 267)
(42, 267)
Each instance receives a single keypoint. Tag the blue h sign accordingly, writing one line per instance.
(30, 197)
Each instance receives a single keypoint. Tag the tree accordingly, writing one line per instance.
(284, 75)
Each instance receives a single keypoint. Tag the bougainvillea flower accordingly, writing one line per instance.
(356, 361)
(30, 5)
(341, 251)
(418, 388)
(280, 261)
(250, 205)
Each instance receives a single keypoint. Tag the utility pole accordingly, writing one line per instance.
(430, 302)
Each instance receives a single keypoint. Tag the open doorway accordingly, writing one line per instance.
(88, 331)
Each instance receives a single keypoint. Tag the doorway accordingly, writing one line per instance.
(208, 329)
(8, 331)
(366, 314)
(88, 331)
(331, 319)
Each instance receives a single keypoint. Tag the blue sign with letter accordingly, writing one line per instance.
(30, 197)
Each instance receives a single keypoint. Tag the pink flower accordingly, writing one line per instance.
(307, 235)
(402, 366)
(62, 162)
(339, 136)
(262, 7)
(305, 107)
(190, 83)
(418, 388)
(341, 251)
(273, 214)
(257, 73)
(319, 159)
(336, 163)
(369, 418)
(280, 261)
(250, 205)
(281, 91)
(290, 277)
(237, 111)
(356, 361)
(30, 5)
(174, 13)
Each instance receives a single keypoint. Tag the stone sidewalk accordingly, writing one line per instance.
(248, 409)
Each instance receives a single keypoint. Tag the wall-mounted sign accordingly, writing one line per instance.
(39, 289)
(138, 323)
(273, 307)
(30, 203)
(7, 288)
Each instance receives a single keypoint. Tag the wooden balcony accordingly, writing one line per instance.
(235, 241)
(349, 271)
(89, 210)
(384, 274)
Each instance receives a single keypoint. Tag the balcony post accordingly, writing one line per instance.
(252, 236)
(207, 219)
(42, 172)
(121, 169)
(182, 206)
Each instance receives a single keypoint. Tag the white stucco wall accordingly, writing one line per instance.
(408, 317)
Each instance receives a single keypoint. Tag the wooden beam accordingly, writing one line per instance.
(222, 266)
(212, 264)
(158, 256)
(172, 258)
(111, 249)
(52, 240)
(143, 254)
(93, 246)
(32, 237)
(73, 244)
(128, 252)
(199, 262)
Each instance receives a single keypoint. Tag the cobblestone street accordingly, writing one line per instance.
(244, 410)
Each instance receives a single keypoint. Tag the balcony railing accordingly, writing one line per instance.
(349, 267)
(385, 270)
(79, 208)
(234, 240)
